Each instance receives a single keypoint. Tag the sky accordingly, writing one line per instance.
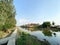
(37, 11)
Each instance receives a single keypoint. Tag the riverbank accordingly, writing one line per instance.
(26, 39)
(53, 39)
(5, 34)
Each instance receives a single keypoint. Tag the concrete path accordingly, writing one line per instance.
(12, 39)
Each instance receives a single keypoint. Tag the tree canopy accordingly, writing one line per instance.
(46, 24)
(7, 14)
(53, 23)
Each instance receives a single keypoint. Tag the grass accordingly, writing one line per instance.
(5, 34)
(26, 39)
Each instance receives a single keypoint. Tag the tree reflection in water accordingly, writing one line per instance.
(54, 34)
(47, 32)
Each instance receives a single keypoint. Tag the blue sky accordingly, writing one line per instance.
(37, 11)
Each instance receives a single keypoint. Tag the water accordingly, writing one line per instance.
(53, 40)
(52, 37)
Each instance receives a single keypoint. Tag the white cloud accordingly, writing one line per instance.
(22, 21)
(55, 18)
(25, 21)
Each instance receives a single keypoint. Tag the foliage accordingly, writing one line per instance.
(47, 32)
(46, 24)
(53, 23)
(7, 14)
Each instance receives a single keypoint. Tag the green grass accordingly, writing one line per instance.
(5, 34)
(26, 39)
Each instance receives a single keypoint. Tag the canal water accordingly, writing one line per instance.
(53, 39)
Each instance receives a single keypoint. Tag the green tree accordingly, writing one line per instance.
(53, 23)
(7, 14)
(46, 24)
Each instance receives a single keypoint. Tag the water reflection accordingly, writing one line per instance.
(32, 29)
(53, 37)
(53, 40)
(54, 34)
(47, 32)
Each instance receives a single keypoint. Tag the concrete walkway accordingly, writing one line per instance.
(12, 39)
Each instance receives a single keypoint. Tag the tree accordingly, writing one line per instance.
(53, 23)
(46, 24)
(7, 14)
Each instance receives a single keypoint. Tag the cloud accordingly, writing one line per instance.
(22, 22)
(55, 18)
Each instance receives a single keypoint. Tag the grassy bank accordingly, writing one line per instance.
(5, 34)
(26, 39)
